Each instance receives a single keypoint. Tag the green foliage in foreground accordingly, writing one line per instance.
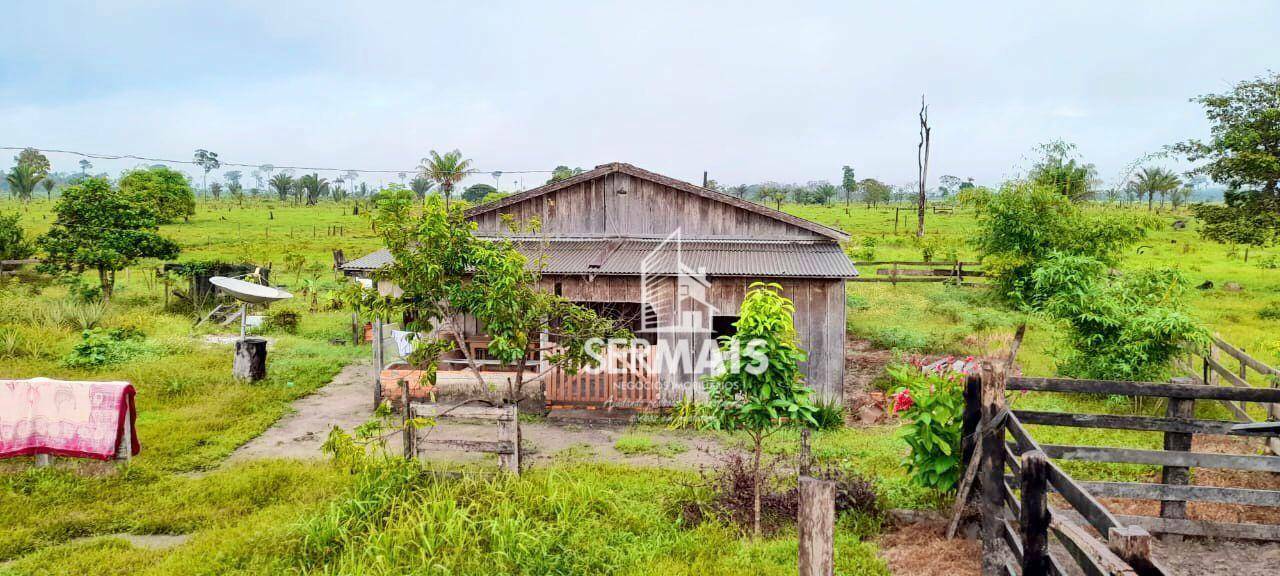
(579, 519)
(14, 244)
(932, 410)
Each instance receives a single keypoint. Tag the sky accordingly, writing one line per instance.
(782, 91)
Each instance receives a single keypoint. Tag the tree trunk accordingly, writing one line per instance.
(755, 481)
(1150, 197)
(104, 282)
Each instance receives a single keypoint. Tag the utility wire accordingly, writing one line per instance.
(98, 156)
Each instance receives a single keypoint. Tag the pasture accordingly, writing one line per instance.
(569, 517)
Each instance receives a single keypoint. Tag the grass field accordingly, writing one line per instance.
(267, 517)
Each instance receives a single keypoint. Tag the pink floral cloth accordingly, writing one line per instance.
(61, 418)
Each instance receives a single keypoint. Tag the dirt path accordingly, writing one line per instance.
(863, 364)
(345, 402)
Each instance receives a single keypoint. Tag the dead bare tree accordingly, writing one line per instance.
(922, 164)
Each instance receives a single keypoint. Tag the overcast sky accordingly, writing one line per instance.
(747, 91)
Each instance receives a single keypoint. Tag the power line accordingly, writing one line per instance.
(98, 156)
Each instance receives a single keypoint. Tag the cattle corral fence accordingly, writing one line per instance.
(1017, 474)
(898, 271)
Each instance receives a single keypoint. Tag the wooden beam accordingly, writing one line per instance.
(427, 410)
(1163, 458)
(471, 445)
(1146, 491)
(1257, 365)
(815, 523)
(1094, 557)
(991, 475)
(1034, 516)
(1145, 423)
(1177, 442)
(1269, 532)
(1152, 389)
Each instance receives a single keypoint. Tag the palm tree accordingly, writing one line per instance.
(85, 165)
(446, 170)
(314, 186)
(48, 184)
(282, 184)
(1156, 180)
(420, 186)
(22, 181)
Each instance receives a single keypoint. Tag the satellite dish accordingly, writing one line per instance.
(248, 291)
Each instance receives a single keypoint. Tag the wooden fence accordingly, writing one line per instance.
(1121, 544)
(1214, 372)
(961, 273)
(507, 417)
(625, 379)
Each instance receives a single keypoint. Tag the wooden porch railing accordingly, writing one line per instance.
(625, 379)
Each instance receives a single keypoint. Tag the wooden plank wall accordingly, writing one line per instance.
(819, 316)
(595, 208)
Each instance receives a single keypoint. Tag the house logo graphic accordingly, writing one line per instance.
(673, 296)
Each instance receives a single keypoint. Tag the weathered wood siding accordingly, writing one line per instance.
(819, 316)
(647, 209)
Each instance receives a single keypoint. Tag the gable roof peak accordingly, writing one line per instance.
(625, 168)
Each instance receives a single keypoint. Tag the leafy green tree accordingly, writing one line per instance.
(816, 193)
(216, 190)
(1122, 328)
(34, 159)
(1155, 180)
(446, 170)
(22, 180)
(282, 185)
(1238, 221)
(875, 192)
(208, 161)
(755, 396)
(166, 191)
(563, 173)
(1243, 150)
(773, 192)
(848, 183)
(85, 165)
(1022, 224)
(477, 192)
(485, 279)
(14, 244)
(100, 228)
(1061, 170)
(314, 187)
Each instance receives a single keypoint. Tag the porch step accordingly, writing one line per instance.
(616, 417)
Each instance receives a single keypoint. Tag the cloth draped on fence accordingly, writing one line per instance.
(63, 418)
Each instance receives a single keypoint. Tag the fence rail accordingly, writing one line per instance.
(895, 271)
(1214, 372)
(1016, 516)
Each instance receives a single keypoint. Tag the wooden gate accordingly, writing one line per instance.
(625, 379)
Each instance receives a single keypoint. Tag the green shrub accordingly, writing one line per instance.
(1127, 328)
(283, 319)
(14, 245)
(932, 408)
(100, 347)
(1270, 312)
(829, 414)
(899, 338)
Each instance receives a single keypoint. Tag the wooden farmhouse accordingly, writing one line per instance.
(672, 261)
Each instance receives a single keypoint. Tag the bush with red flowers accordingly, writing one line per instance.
(930, 400)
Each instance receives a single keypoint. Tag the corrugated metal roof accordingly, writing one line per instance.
(633, 257)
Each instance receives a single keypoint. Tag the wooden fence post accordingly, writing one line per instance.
(1184, 408)
(406, 412)
(805, 457)
(816, 524)
(509, 433)
(1034, 520)
(1133, 545)
(992, 472)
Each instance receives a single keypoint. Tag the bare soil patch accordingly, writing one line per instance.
(347, 401)
(922, 549)
(863, 365)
